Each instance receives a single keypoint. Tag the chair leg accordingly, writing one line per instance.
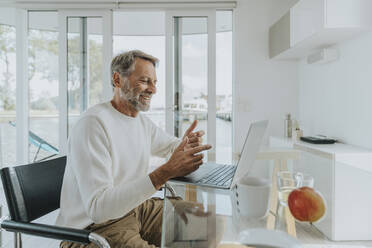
(170, 189)
(17, 240)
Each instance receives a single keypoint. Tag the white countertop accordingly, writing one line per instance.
(355, 156)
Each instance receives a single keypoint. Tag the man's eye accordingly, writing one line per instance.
(144, 81)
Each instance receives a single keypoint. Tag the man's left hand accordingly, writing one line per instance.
(195, 138)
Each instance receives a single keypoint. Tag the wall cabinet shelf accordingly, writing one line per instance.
(314, 24)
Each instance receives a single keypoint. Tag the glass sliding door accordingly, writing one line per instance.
(191, 65)
(224, 77)
(84, 71)
(85, 57)
(43, 84)
(191, 73)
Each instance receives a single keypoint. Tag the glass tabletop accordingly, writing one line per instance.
(196, 216)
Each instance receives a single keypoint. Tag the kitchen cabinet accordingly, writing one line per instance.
(343, 174)
(314, 24)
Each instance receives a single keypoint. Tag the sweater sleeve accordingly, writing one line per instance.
(162, 144)
(89, 154)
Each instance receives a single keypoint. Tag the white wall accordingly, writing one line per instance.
(264, 89)
(336, 98)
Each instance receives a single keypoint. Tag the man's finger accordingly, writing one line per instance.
(200, 133)
(198, 163)
(197, 158)
(191, 128)
(182, 145)
(199, 149)
(193, 139)
(192, 145)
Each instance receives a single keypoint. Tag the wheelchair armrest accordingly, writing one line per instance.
(55, 232)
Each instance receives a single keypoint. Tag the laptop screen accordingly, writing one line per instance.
(250, 148)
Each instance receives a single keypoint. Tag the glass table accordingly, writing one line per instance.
(206, 217)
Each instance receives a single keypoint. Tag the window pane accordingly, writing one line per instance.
(7, 87)
(43, 83)
(73, 71)
(95, 57)
(84, 76)
(193, 90)
(224, 87)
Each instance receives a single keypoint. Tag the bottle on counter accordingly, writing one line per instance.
(288, 126)
(298, 131)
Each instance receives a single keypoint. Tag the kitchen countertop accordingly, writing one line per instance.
(355, 156)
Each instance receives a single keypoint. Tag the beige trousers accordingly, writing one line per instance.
(140, 228)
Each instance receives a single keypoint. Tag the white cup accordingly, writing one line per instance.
(251, 196)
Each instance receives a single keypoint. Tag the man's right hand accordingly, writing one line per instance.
(181, 163)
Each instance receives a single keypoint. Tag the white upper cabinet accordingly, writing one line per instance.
(306, 19)
(314, 24)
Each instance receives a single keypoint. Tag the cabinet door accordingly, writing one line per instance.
(307, 18)
(348, 13)
(280, 36)
(321, 167)
(353, 203)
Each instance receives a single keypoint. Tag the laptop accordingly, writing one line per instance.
(226, 176)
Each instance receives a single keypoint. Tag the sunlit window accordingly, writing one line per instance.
(84, 72)
(43, 85)
(131, 30)
(224, 86)
(7, 88)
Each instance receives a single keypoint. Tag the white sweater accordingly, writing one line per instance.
(107, 165)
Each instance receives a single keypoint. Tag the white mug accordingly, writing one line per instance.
(251, 196)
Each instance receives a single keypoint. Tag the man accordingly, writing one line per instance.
(106, 187)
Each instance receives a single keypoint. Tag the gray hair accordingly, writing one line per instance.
(125, 63)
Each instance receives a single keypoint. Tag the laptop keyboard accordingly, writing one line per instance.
(221, 176)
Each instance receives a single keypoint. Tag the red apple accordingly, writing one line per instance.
(306, 204)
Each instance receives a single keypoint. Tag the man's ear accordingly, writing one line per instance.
(116, 79)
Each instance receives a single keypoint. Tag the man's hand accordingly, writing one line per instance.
(195, 138)
(181, 163)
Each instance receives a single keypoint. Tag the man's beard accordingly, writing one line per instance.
(133, 98)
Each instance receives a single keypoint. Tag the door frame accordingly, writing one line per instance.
(210, 14)
(107, 33)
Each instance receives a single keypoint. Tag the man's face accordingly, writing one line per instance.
(139, 87)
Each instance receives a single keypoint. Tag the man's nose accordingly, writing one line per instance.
(152, 88)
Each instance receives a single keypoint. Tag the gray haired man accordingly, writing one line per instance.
(106, 187)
